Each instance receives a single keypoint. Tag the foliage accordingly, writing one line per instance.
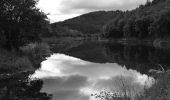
(15, 69)
(10, 62)
(20, 87)
(65, 32)
(148, 21)
(20, 22)
(36, 52)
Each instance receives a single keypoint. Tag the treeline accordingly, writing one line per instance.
(20, 22)
(62, 31)
(151, 20)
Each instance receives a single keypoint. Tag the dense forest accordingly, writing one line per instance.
(151, 20)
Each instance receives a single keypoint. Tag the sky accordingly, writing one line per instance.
(60, 10)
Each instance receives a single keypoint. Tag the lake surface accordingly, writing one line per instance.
(77, 70)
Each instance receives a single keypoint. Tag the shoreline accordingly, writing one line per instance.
(158, 43)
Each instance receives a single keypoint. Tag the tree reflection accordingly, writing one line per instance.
(138, 57)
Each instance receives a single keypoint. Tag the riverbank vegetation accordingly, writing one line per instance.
(22, 23)
(21, 50)
(15, 69)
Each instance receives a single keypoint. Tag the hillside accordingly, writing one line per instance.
(151, 20)
(90, 23)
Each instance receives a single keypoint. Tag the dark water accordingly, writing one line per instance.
(138, 57)
(77, 70)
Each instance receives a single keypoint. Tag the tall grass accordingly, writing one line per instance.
(160, 90)
(36, 52)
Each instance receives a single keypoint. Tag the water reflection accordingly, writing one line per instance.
(139, 57)
(69, 78)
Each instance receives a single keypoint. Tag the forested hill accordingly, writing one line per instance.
(151, 20)
(89, 23)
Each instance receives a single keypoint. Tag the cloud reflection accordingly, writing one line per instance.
(69, 78)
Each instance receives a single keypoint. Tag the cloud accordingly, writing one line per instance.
(92, 5)
(64, 9)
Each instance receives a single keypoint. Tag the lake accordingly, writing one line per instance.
(80, 70)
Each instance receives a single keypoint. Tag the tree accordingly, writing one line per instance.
(160, 26)
(142, 26)
(113, 29)
(129, 28)
(20, 22)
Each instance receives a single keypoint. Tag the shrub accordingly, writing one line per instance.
(10, 62)
(36, 52)
(23, 63)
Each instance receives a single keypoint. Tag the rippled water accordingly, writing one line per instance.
(70, 78)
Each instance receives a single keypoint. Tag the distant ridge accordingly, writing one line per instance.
(90, 23)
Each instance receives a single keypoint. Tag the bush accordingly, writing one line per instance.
(36, 52)
(10, 62)
(23, 63)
